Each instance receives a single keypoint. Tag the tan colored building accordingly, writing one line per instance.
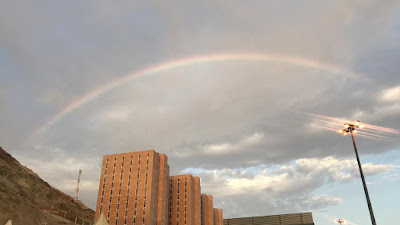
(133, 188)
(284, 219)
(218, 216)
(184, 200)
(207, 210)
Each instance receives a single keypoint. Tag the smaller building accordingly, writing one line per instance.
(184, 202)
(217, 216)
(284, 219)
(207, 217)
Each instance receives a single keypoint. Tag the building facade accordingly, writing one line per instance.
(184, 200)
(217, 216)
(133, 188)
(284, 219)
(207, 217)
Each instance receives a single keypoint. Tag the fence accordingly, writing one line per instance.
(66, 215)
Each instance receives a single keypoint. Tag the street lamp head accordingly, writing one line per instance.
(340, 221)
(351, 128)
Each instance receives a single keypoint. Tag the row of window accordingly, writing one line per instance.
(177, 204)
(119, 191)
(136, 192)
(145, 188)
(111, 191)
(127, 192)
(128, 188)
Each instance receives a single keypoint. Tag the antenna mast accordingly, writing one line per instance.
(77, 187)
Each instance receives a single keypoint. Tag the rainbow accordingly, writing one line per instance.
(297, 61)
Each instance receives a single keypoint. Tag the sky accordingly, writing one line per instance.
(247, 95)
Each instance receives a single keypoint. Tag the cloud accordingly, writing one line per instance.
(306, 174)
(232, 147)
(391, 94)
(322, 201)
(295, 187)
(231, 119)
(371, 169)
(114, 114)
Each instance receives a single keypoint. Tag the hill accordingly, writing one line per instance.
(27, 199)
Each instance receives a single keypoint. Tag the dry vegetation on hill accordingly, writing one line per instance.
(23, 194)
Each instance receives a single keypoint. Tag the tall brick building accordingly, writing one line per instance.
(133, 188)
(184, 202)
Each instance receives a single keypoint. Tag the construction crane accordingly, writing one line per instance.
(77, 187)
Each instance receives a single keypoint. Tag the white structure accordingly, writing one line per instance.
(101, 221)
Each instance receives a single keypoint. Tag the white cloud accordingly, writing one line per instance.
(305, 176)
(219, 148)
(112, 114)
(240, 145)
(253, 139)
(323, 201)
(293, 187)
(117, 114)
(223, 148)
(391, 94)
(371, 169)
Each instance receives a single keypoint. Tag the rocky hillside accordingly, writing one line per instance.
(26, 199)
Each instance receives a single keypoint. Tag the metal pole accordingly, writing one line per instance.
(371, 212)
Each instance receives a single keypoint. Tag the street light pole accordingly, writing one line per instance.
(371, 212)
(351, 128)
